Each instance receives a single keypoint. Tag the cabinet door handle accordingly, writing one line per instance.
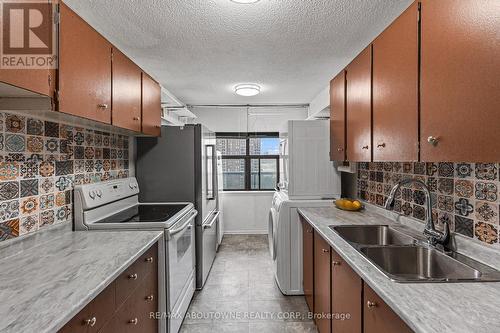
(365, 147)
(381, 145)
(340, 149)
(150, 298)
(103, 106)
(325, 250)
(336, 263)
(371, 304)
(91, 322)
(157, 126)
(133, 276)
(433, 140)
(150, 259)
(133, 321)
(137, 118)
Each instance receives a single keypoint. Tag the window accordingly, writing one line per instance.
(250, 161)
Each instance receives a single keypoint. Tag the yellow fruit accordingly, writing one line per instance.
(348, 205)
(356, 204)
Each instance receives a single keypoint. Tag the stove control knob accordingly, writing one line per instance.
(92, 195)
(131, 185)
(99, 193)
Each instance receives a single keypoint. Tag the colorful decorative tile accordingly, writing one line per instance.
(79, 138)
(419, 168)
(79, 166)
(464, 170)
(15, 157)
(9, 229)
(9, 170)
(66, 132)
(445, 203)
(89, 138)
(47, 218)
(52, 145)
(63, 214)
(486, 212)
(378, 174)
(46, 169)
(51, 129)
(105, 141)
(89, 166)
(65, 146)
(29, 187)
(34, 144)
(106, 154)
(486, 191)
(464, 207)
(47, 201)
(60, 199)
(64, 168)
(46, 186)
(89, 153)
(431, 169)
(63, 183)
(407, 209)
(419, 197)
(34, 127)
(445, 186)
(486, 233)
(98, 140)
(29, 170)
(28, 224)
(15, 123)
(464, 188)
(28, 206)
(34, 158)
(432, 184)
(106, 165)
(486, 171)
(9, 190)
(79, 152)
(9, 210)
(419, 212)
(464, 226)
(446, 169)
(98, 153)
(2, 142)
(15, 143)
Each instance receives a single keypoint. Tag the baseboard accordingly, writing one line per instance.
(246, 232)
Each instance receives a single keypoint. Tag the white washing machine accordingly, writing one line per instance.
(285, 240)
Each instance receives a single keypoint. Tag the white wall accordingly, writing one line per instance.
(246, 212)
(320, 105)
(254, 120)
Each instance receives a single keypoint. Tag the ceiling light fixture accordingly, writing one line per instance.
(245, 2)
(247, 89)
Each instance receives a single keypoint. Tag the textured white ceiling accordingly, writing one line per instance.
(200, 49)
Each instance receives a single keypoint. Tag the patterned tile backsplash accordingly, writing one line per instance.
(41, 161)
(464, 194)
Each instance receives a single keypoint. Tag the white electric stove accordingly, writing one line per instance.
(115, 205)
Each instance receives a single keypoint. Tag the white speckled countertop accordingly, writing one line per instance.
(425, 307)
(46, 280)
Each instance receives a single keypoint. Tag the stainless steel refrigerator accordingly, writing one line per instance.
(181, 166)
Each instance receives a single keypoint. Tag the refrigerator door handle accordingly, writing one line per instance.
(211, 224)
(211, 182)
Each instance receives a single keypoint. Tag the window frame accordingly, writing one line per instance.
(248, 158)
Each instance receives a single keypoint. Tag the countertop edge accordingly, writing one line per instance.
(57, 325)
(365, 277)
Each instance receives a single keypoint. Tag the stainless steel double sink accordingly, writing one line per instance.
(404, 258)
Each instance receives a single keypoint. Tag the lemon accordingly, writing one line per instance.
(356, 204)
(348, 205)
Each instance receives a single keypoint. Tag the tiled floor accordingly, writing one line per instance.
(242, 283)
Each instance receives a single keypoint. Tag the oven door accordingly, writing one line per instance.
(181, 256)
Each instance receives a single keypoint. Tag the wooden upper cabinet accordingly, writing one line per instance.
(322, 283)
(151, 106)
(359, 97)
(395, 90)
(460, 100)
(84, 69)
(127, 90)
(347, 291)
(337, 118)
(379, 317)
(308, 263)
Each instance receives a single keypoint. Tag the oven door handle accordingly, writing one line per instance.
(184, 226)
(211, 224)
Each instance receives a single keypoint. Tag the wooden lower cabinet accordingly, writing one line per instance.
(322, 284)
(123, 308)
(308, 263)
(347, 289)
(342, 302)
(378, 317)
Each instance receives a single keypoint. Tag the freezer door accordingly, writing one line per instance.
(207, 197)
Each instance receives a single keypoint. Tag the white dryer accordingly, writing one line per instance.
(285, 240)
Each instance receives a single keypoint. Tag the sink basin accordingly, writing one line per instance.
(372, 235)
(419, 263)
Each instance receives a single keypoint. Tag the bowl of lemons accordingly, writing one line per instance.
(348, 204)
